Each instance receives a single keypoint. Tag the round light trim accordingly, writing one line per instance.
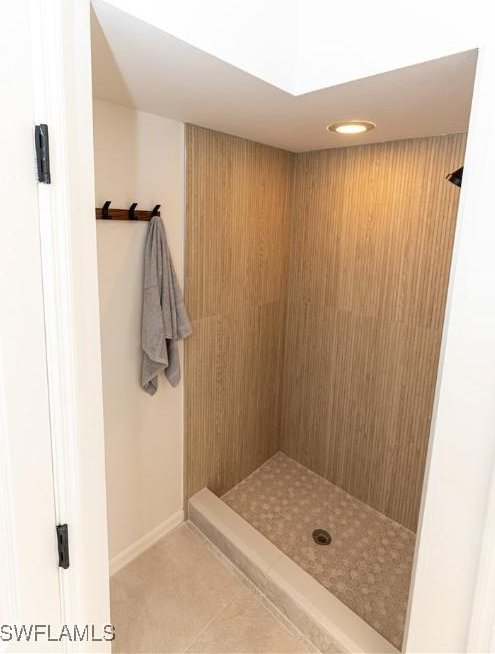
(351, 126)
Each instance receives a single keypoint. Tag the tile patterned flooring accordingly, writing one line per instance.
(367, 565)
(181, 596)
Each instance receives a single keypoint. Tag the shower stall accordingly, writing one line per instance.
(317, 285)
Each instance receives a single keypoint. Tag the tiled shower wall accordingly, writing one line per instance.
(358, 242)
(372, 239)
(238, 202)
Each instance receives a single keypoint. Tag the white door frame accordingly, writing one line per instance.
(29, 585)
(447, 577)
(69, 267)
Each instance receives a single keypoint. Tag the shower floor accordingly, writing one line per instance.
(368, 563)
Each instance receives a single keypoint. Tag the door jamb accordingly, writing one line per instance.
(63, 100)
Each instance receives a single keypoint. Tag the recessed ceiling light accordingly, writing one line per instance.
(351, 126)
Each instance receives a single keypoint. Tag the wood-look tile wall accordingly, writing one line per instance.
(238, 208)
(356, 243)
(371, 243)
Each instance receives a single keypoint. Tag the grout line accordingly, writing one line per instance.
(230, 567)
(276, 562)
(251, 586)
(210, 623)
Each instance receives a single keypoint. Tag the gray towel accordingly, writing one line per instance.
(165, 319)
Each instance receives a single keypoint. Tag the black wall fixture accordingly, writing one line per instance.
(456, 176)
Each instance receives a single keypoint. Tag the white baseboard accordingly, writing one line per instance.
(130, 553)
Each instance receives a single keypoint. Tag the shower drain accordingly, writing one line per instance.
(322, 537)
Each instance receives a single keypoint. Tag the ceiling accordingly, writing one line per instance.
(139, 65)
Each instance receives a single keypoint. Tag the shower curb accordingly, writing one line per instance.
(328, 623)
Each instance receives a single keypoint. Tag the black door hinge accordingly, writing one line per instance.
(42, 153)
(63, 546)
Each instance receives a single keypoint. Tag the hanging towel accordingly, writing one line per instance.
(165, 319)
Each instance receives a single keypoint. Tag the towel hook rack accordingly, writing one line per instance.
(126, 214)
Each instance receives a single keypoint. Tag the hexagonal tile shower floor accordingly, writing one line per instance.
(368, 563)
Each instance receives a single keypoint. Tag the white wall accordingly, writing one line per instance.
(340, 42)
(138, 157)
(256, 36)
(462, 448)
(304, 45)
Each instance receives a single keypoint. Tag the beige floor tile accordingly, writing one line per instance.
(164, 599)
(246, 626)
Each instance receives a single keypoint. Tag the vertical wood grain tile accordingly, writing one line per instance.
(238, 213)
(317, 284)
(371, 244)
